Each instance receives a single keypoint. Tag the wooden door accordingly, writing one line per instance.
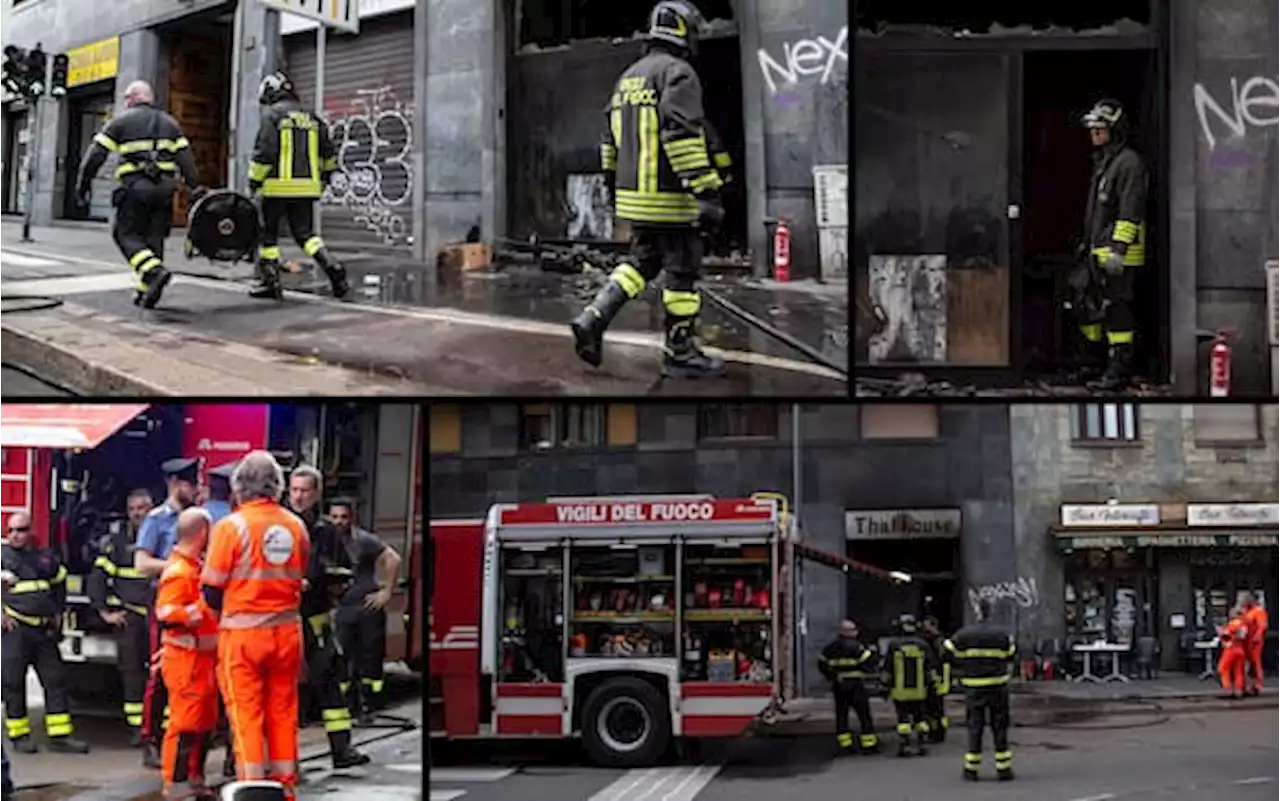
(198, 99)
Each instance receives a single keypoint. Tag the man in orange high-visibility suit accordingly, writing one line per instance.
(1234, 637)
(1256, 618)
(253, 575)
(189, 639)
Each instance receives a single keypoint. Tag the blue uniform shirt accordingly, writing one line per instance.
(159, 531)
(217, 509)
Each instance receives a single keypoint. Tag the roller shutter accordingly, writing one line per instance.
(369, 108)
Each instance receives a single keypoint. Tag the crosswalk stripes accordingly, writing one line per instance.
(462, 776)
(680, 783)
(11, 259)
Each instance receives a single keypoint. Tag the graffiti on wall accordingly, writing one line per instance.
(1252, 103)
(806, 61)
(1022, 592)
(373, 134)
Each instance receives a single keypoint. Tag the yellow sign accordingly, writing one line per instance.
(93, 62)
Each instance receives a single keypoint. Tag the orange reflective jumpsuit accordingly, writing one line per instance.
(1256, 618)
(257, 560)
(189, 642)
(1235, 636)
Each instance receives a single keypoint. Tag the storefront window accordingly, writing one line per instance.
(1108, 595)
(1220, 577)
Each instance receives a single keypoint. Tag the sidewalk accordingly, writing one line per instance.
(1040, 703)
(82, 333)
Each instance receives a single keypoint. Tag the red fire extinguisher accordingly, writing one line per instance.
(1220, 367)
(782, 252)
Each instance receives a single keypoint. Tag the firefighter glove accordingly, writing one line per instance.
(710, 211)
(1112, 263)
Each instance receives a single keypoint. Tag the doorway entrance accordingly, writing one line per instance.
(1058, 87)
(88, 112)
(933, 564)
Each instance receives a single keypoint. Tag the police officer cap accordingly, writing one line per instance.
(224, 471)
(184, 469)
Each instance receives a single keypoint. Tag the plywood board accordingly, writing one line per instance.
(978, 316)
(912, 292)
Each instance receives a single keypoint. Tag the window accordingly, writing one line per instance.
(899, 421)
(1226, 422)
(446, 428)
(1104, 422)
(725, 420)
(545, 426)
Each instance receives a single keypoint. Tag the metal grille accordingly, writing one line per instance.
(369, 107)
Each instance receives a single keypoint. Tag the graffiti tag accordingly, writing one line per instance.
(1022, 592)
(373, 135)
(1255, 103)
(805, 59)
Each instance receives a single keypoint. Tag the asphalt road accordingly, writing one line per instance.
(1224, 756)
(18, 384)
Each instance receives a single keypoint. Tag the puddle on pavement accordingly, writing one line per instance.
(54, 792)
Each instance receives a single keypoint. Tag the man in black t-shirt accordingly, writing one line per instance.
(361, 615)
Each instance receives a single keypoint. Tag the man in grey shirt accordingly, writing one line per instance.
(361, 614)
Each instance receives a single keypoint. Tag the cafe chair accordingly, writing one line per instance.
(1146, 657)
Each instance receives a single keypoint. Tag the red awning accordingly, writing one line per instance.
(63, 425)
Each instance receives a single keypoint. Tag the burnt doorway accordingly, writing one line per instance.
(1058, 87)
(934, 567)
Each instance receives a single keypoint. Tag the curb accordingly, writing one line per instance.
(65, 369)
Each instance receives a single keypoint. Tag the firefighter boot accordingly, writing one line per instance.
(26, 744)
(1091, 359)
(1119, 370)
(229, 762)
(152, 284)
(681, 356)
(590, 324)
(151, 755)
(268, 286)
(67, 744)
(341, 752)
(338, 284)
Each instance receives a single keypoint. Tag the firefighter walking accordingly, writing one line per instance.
(665, 186)
(190, 641)
(983, 657)
(253, 577)
(158, 535)
(292, 161)
(910, 669)
(121, 595)
(327, 577)
(939, 723)
(153, 152)
(1116, 240)
(34, 598)
(846, 663)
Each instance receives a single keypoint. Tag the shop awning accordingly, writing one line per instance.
(63, 425)
(1166, 537)
(842, 562)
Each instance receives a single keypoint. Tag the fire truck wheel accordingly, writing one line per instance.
(625, 724)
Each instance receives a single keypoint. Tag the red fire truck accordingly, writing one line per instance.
(69, 467)
(624, 621)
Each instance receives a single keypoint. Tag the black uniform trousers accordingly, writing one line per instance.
(936, 708)
(155, 699)
(675, 249)
(25, 646)
(362, 635)
(913, 716)
(983, 707)
(133, 652)
(144, 216)
(299, 213)
(325, 672)
(853, 697)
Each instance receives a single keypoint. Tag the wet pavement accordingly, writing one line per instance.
(1202, 757)
(917, 385)
(488, 333)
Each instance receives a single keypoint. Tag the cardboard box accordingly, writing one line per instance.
(466, 257)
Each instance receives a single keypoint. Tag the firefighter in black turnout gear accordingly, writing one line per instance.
(910, 669)
(983, 657)
(939, 723)
(665, 185)
(327, 577)
(153, 152)
(1116, 240)
(121, 596)
(293, 159)
(35, 594)
(847, 663)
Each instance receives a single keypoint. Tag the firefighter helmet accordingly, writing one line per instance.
(1104, 114)
(676, 22)
(906, 624)
(223, 226)
(274, 88)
